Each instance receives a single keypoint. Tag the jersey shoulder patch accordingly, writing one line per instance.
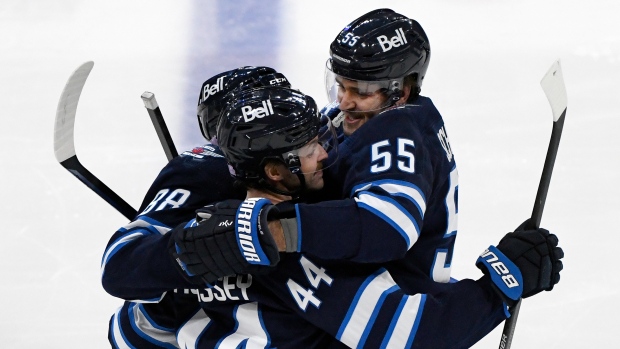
(202, 151)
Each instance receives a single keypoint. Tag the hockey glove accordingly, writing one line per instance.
(332, 111)
(525, 262)
(206, 248)
(252, 233)
(225, 239)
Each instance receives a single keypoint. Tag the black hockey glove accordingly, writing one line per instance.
(523, 264)
(210, 247)
(206, 248)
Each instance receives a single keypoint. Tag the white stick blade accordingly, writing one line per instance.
(65, 113)
(555, 90)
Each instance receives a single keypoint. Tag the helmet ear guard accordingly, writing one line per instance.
(292, 161)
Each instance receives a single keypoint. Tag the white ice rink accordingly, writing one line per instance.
(488, 57)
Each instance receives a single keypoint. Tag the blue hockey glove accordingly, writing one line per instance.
(525, 262)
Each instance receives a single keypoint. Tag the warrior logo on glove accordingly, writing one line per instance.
(248, 216)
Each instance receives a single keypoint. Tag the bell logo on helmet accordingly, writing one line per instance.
(395, 41)
(250, 114)
(210, 90)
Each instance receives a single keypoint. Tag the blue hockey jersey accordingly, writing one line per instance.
(399, 179)
(188, 182)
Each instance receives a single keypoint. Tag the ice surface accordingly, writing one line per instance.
(487, 61)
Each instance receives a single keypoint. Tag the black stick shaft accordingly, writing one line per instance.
(74, 166)
(539, 205)
(160, 125)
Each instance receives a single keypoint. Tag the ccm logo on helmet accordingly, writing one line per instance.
(277, 81)
(250, 114)
(500, 268)
(394, 41)
(210, 90)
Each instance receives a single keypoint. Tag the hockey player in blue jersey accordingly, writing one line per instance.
(188, 182)
(273, 131)
(397, 171)
(376, 197)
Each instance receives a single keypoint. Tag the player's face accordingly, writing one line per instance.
(358, 105)
(311, 157)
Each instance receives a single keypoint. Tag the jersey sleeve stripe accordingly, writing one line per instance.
(393, 213)
(150, 300)
(118, 338)
(149, 330)
(122, 241)
(402, 189)
(364, 308)
(404, 325)
(299, 235)
(189, 333)
(141, 227)
(147, 223)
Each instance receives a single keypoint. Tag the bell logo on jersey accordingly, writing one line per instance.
(210, 90)
(250, 113)
(395, 41)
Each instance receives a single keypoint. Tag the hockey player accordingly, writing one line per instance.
(188, 182)
(396, 178)
(357, 305)
(404, 205)
(396, 171)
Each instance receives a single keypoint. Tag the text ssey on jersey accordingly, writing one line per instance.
(250, 113)
(394, 41)
(234, 287)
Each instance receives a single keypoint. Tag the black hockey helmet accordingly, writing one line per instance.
(382, 47)
(211, 100)
(270, 123)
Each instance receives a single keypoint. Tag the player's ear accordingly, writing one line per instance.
(405, 95)
(274, 171)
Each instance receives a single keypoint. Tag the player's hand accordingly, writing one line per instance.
(524, 263)
(210, 247)
(332, 111)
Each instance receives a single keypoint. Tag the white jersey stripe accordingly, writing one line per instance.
(189, 334)
(364, 309)
(398, 188)
(391, 212)
(405, 323)
(117, 333)
(147, 330)
(250, 331)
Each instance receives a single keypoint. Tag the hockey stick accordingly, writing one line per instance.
(160, 125)
(64, 145)
(555, 90)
